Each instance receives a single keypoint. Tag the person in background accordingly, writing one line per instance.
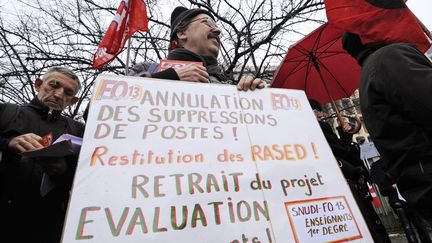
(396, 103)
(348, 156)
(34, 192)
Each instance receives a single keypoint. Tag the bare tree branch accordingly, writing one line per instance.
(42, 34)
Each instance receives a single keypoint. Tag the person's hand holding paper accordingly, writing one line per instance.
(26, 142)
(51, 157)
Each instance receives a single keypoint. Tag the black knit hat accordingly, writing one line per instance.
(352, 44)
(180, 14)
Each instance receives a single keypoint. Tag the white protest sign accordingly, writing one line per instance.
(166, 161)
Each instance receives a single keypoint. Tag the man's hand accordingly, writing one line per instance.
(25, 142)
(193, 73)
(249, 83)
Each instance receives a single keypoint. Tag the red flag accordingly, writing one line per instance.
(378, 21)
(131, 17)
(375, 199)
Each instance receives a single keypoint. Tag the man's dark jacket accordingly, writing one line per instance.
(356, 175)
(396, 102)
(345, 152)
(26, 216)
(215, 72)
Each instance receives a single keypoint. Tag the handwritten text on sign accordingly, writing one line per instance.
(323, 220)
(181, 162)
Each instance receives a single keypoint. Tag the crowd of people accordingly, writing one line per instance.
(395, 91)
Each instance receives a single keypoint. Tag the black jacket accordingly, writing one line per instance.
(214, 70)
(396, 102)
(26, 216)
(346, 152)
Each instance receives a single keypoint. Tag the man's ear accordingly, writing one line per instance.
(38, 83)
(181, 35)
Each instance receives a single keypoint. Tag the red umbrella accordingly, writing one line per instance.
(371, 20)
(318, 65)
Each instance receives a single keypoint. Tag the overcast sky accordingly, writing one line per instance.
(423, 10)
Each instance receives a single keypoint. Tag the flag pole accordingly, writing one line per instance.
(127, 57)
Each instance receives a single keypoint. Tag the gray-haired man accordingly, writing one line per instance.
(32, 211)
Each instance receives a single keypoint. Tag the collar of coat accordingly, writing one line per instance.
(46, 113)
(209, 62)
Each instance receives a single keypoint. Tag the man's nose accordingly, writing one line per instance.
(216, 30)
(58, 93)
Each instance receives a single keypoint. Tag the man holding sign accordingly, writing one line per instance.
(195, 38)
(34, 192)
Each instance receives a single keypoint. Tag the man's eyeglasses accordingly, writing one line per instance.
(208, 21)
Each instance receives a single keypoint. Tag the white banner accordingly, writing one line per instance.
(166, 161)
